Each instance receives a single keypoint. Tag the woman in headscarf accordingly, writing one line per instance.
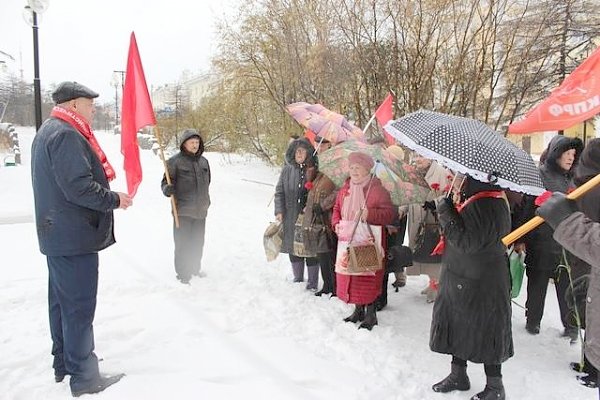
(361, 197)
(472, 312)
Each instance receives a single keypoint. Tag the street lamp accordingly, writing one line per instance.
(32, 9)
(118, 77)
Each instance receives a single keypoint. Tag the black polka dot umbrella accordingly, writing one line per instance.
(469, 147)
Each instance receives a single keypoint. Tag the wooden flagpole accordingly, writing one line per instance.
(162, 157)
(537, 221)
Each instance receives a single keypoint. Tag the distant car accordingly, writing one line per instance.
(9, 160)
(117, 130)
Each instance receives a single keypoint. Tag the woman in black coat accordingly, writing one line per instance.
(544, 254)
(290, 200)
(472, 313)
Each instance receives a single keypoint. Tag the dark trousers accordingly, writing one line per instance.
(310, 261)
(189, 246)
(72, 289)
(327, 263)
(537, 286)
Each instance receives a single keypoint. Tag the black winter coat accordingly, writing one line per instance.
(543, 252)
(472, 313)
(190, 175)
(73, 201)
(290, 193)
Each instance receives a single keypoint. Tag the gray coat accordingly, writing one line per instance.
(290, 193)
(190, 175)
(581, 236)
(73, 202)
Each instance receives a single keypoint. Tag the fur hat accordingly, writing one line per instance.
(360, 158)
(589, 162)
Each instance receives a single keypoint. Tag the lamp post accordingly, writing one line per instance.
(117, 78)
(32, 10)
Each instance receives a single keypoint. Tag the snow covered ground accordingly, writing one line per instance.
(243, 331)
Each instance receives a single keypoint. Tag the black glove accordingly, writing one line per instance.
(443, 205)
(169, 190)
(556, 209)
(429, 205)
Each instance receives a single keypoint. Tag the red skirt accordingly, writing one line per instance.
(359, 289)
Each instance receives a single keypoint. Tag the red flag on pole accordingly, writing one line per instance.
(577, 99)
(136, 113)
(384, 114)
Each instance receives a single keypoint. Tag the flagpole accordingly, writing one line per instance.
(369, 123)
(536, 221)
(162, 157)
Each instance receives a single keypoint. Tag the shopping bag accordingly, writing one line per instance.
(517, 270)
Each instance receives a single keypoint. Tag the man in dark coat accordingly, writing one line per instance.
(544, 255)
(190, 178)
(472, 313)
(74, 221)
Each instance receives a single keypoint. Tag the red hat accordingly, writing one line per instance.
(362, 159)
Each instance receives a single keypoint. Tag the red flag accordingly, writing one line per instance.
(310, 135)
(384, 114)
(577, 99)
(136, 113)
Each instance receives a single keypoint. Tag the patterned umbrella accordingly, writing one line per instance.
(470, 147)
(324, 123)
(404, 183)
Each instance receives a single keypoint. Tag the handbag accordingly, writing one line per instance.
(317, 236)
(428, 236)
(300, 232)
(363, 257)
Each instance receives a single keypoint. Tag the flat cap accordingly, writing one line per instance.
(66, 91)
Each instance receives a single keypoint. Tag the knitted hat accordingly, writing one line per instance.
(362, 159)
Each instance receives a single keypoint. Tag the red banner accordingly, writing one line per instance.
(576, 100)
(137, 112)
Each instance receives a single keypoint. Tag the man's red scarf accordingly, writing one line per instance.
(84, 128)
(493, 194)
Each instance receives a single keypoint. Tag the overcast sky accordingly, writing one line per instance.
(85, 40)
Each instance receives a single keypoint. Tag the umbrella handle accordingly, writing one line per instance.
(537, 221)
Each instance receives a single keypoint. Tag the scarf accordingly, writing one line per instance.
(354, 203)
(77, 122)
(492, 194)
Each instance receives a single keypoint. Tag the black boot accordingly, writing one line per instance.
(357, 315)
(494, 390)
(457, 380)
(370, 318)
(98, 385)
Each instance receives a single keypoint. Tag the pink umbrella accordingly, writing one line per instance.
(324, 123)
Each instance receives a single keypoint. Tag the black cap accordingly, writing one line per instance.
(66, 91)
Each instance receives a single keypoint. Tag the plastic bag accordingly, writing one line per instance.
(517, 270)
(272, 240)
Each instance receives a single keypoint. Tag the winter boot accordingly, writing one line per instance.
(298, 271)
(370, 318)
(494, 390)
(572, 333)
(357, 315)
(313, 277)
(457, 380)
